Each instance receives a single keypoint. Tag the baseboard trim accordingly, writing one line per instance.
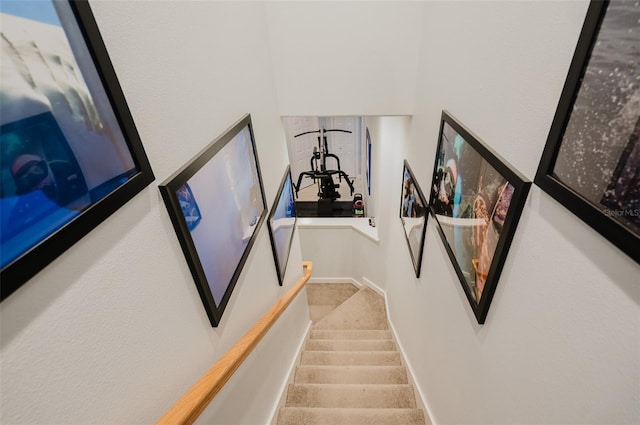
(290, 375)
(407, 363)
(412, 379)
(335, 280)
(377, 289)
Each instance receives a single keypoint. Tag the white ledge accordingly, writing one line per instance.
(360, 225)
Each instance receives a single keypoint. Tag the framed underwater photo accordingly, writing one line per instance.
(591, 161)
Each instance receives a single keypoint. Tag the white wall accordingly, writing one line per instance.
(345, 57)
(114, 330)
(561, 343)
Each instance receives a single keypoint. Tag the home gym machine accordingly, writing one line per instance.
(322, 176)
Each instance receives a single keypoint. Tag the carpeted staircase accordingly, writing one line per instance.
(350, 372)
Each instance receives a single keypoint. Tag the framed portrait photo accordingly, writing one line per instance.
(216, 204)
(476, 199)
(591, 161)
(70, 153)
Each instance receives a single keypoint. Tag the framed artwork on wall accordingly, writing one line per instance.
(70, 153)
(591, 161)
(413, 214)
(224, 196)
(282, 224)
(368, 144)
(476, 200)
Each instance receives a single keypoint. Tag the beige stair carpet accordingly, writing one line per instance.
(325, 297)
(350, 371)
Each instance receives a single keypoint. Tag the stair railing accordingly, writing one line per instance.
(189, 407)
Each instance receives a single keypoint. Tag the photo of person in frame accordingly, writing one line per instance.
(471, 201)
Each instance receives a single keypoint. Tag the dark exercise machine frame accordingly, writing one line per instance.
(323, 177)
(319, 172)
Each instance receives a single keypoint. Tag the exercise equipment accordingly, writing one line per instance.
(319, 173)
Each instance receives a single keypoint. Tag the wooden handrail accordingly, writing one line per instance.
(197, 398)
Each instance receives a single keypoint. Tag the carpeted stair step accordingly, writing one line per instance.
(350, 358)
(364, 310)
(319, 311)
(329, 293)
(323, 298)
(382, 396)
(350, 334)
(350, 345)
(325, 416)
(351, 375)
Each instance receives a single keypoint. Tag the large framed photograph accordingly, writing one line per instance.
(476, 199)
(591, 161)
(282, 224)
(70, 154)
(413, 214)
(216, 204)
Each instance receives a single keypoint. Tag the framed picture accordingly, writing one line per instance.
(368, 143)
(476, 199)
(216, 204)
(591, 161)
(413, 214)
(282, 223)
(70, 154)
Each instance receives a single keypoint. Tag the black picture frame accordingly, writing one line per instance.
(414, 212)
(591, 160)
(225, 182)
(282, 224)
(70, 151)
(476, 199)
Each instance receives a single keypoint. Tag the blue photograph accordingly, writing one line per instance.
(67, 140)
(282, 221)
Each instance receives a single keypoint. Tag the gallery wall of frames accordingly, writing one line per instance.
(55, 189)
(66, 166)
(590, 163)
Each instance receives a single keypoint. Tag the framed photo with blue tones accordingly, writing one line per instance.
(413, 214)
(70, 153)
(591, 161)
(217, 232)
(282, 224)
(476, 200)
